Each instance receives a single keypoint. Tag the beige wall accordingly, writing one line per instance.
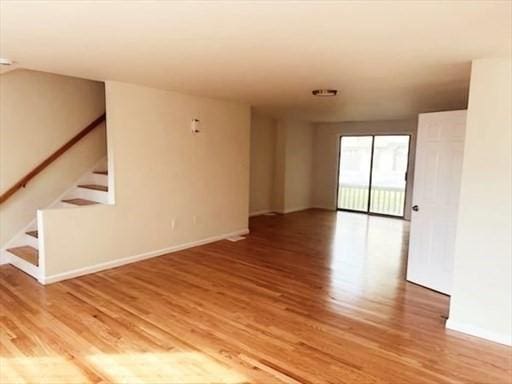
(326, 152)
(481, 302)
(263, 147)
(163, 174)
(299, 165)
(281, 164)
(39, 112)
(278, 190)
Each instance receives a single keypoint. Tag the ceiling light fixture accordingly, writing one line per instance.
(5, 61)
(324, 92)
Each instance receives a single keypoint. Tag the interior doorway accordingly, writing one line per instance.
(372, 174)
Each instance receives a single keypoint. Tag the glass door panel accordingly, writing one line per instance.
(389, 170)
(354, 172)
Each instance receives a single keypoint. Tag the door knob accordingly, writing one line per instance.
(415, 208)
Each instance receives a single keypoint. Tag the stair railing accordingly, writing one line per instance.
(22, 183)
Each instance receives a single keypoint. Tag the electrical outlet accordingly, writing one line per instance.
(173, 224)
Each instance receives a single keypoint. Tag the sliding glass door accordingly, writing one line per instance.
(354, 172)
(372, 174)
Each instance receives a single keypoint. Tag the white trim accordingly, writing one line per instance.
(295, 209)
(4, 257)
(259, 213)
(16, 239)
(25, 266)
(131, 259)
(19, 238)
(110, 152)
(479, 332)
(41, 246)
(74, 186)
(324, 207)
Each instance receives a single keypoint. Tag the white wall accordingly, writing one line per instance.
(39, 112)
(481, 302)
(326, 152)
(173, 188)
(263, 147)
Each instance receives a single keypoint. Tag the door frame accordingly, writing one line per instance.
(373, 135)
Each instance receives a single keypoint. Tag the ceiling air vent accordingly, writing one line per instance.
(324, 92)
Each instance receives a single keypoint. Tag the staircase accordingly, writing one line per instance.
(92, 188)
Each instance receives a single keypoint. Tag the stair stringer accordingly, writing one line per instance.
(21, 238)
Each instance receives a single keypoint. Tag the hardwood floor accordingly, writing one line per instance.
(310, 297)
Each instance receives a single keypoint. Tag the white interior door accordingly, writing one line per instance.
(439, 155)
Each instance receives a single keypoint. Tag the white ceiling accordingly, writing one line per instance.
(389, 59)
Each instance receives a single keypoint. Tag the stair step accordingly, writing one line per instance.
(27, 253)
(101, 172)
(79, 202)
(33, 234)
(94, 187)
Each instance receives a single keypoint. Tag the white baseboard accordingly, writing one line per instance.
(295, 209)
(479, 332)
(324, 207)
(259, 213)
(132, 259)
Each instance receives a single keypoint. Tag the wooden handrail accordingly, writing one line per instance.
(50, 159)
